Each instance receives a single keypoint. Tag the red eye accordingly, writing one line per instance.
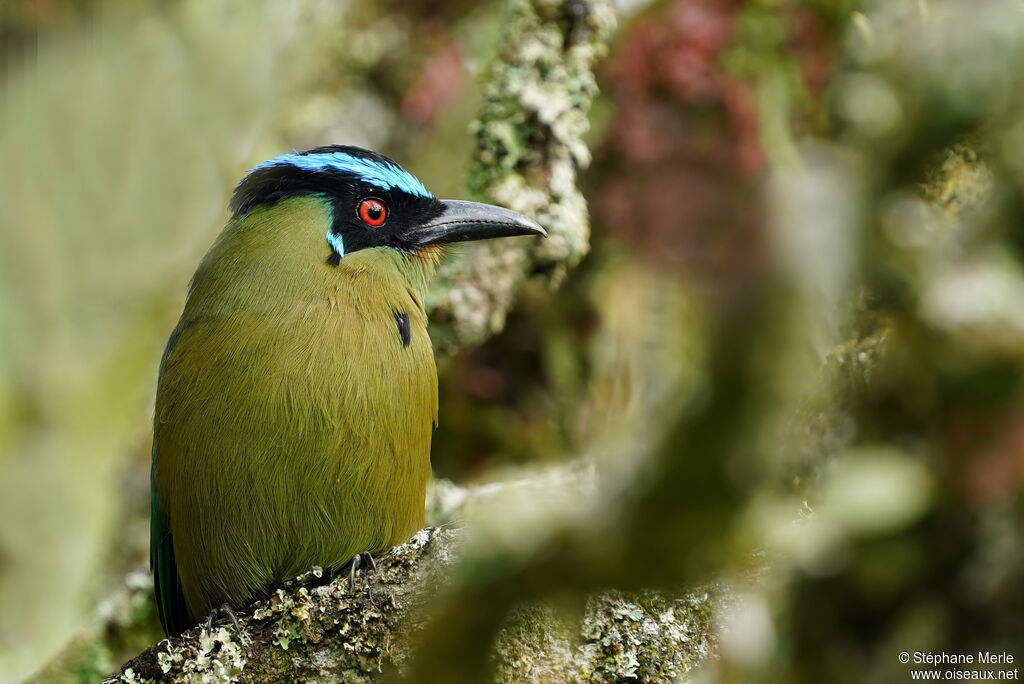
(372, 212)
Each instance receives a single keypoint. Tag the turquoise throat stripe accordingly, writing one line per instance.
(336, 243)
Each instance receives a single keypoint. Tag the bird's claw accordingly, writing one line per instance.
(352, 567)
(225, 610)
(356, 563)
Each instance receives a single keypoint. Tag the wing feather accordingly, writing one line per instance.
(170, 599)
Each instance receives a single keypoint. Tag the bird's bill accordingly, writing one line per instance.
(464, 221)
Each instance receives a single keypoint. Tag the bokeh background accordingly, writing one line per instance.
(794, 352)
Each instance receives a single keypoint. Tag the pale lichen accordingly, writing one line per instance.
(647, 637)
(650, 636)
(529, 134)
(324, 632)
(308, 630)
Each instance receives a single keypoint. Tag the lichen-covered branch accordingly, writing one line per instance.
(538, 93)
(310, 632)
(315, 630)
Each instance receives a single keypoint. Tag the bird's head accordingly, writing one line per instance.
(306, 224)
(371, 203)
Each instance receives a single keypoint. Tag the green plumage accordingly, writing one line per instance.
(292, 424)
(298, 393)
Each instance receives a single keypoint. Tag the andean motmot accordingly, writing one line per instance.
(298, 393)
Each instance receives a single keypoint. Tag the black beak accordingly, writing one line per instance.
(464, 221)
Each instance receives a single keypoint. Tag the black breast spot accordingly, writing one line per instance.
(402, 319)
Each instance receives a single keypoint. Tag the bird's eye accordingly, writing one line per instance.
(372, 212)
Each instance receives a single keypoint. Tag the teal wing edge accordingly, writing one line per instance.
(170, 599)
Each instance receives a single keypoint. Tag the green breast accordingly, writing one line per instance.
(293, 435)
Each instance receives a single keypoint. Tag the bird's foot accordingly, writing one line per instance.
(365, 560)
(225, 611)
(360, 560)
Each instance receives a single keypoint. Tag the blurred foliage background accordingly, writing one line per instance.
(795, 351)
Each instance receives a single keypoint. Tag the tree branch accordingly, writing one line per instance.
(538, 94)
(319, 630)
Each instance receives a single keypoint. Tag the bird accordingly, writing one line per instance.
(297, 395)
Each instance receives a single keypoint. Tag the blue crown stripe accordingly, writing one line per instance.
(381, 175)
